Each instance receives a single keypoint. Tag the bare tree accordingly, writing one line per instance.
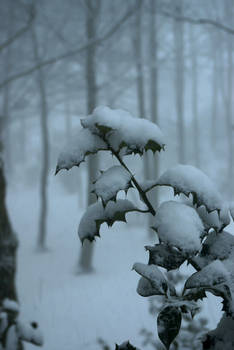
(179, 79)
(44, 145)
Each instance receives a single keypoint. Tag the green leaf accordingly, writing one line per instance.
(96, 215)
(110, 182)
(168, 323)
(83, 144)
(123, 132)
(165, 256)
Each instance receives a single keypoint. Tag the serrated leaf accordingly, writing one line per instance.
(211, 275)
(96, 215)
(165, 256)
(83, 144)
(110, 182)
(122, 131)
(194, 294)
(168, 322)
(188, 180)
(216, 246)
(154, 276)
(178, 225)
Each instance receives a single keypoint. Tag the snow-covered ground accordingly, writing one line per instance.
(74, 310)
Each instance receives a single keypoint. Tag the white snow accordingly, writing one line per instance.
(179, 225)
(83, 143)
(133, 132)
(213, 274)
(30, 334)
(9, 304)
(111, 182)
(89, 228)
(153, 275)
(188, 179)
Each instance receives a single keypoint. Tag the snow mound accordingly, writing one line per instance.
(121, 130)
(187, 179)
(111, 182)
(80, 146)
(179, 225)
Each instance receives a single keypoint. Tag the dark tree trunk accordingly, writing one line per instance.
(45, 147)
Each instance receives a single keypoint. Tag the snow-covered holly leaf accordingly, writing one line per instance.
(122, 131)
(179, 225)
(158, 285)
(110, 182)
(216, 246)
(83, 144)
(30, 333)
(211, 275)
(96, 215)
(188, 180)
(213, 219)
(125, 346)
(168, 323)
(165, 256)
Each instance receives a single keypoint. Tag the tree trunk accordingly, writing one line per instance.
(8, 240)
(196, 134)
(153, 160)
(85, 262)
(41, 242)
(179, 79)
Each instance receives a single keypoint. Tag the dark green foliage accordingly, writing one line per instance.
(168, 323)
(165, 256)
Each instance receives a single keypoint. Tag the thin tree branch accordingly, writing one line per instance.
(19, 33)
(198, 21)
(95, 41)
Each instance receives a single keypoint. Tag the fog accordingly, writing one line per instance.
(169, 61)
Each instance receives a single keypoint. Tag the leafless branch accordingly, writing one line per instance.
(198, 21)
(95, 41)
(20, 32)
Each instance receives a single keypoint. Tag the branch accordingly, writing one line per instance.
(198, 21)
(95, 41)
(19, 33)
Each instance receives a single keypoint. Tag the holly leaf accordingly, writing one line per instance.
(110, 182)
(168, 323)
(83, 144)
(153, 281)
(165, 256)
(96, 215)
(188, 180)
(123, 132)
(178, 225)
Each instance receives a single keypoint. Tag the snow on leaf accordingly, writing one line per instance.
(168, 322)
(165, 256)
(145, 288)
(154, 276)
(121, 130)
(179, 225)
(211, 275)
(96, 215)
(30, 333)
(110, 182)
(83, 144)
(187, 179)
(212, 219)
(184, 305)
(216, 246)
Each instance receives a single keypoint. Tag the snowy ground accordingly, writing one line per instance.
(74, 310)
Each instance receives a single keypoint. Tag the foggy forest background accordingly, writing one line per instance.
(170, 61)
